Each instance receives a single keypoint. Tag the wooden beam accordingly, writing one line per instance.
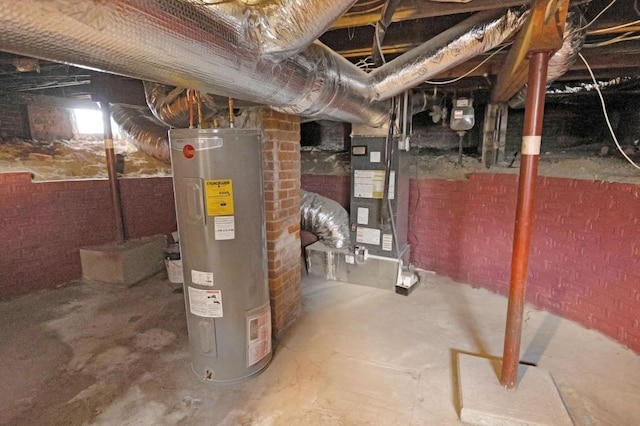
(418, 9)
(542, 32)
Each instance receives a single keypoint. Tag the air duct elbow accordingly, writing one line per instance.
(324, 218)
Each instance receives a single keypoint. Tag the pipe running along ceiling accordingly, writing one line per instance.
(257, 53)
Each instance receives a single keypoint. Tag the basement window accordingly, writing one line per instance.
(89, 121)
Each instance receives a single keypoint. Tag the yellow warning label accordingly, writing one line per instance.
(219, 196)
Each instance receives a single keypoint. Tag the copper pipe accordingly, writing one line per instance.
(532, 132)
(200, 116)
(190, 100)
(114, 186)
(231, 117)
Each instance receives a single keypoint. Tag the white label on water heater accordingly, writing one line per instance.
(205, 303)
(202, 278)
(258, 336)
(224, 227)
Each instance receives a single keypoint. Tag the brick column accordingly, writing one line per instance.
(281, 162)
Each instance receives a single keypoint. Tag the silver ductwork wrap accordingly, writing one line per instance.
(475, 35)
(561, 61)
(215, 48)
(324, 218)
(284, 28)
(170, 104)
(143, 130)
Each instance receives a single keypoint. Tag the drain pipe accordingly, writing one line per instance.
(114, 186)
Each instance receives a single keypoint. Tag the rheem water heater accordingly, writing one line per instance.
(217, 178)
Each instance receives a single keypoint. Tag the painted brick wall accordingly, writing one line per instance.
(13, 121)
(44, 224)
(336, 187)
(281, 161)
(585, 255)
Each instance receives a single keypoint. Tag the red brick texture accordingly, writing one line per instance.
(281, 165)
(585, 252)
(44, 224)
(337, 188)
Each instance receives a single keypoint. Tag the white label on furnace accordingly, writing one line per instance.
(363, 216)
(259, 337)
(202, 278)
(392, 184)
(368, 236)
(387, 242)
(374, 157)
(224, 227)
(368, 184)
(205, 303)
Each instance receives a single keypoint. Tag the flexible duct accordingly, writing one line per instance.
(324, 218)
(208, 48)
(142, 130)
(475, 35)
(561, 61)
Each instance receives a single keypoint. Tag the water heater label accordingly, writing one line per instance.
(202, 278)
(224, 227)
(258, 336)
(205, 303)
(219, 197)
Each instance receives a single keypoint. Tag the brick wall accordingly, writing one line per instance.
(585, 253)
(13, 121)
(336, 187)
(44, 224)
(281, 161)
(48, 123)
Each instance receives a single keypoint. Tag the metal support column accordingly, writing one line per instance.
(530, 151)
(114, 186)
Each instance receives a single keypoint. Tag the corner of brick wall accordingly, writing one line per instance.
(281, 173)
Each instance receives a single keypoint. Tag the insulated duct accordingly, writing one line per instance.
(475, 35)
(170, 104)
(561, 61)
(324, 218)
(213, 49)
(142, 130)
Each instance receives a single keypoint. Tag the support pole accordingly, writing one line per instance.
(530, 152)
(114, 187)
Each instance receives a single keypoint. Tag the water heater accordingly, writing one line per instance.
(217, 180)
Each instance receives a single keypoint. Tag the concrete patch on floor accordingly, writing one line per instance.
(536, 401)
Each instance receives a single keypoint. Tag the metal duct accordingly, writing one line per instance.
(324, 218)
(561, 61)
(284, 28)
(481, 32)
(143, 130)
(170, 104)
(206, 47)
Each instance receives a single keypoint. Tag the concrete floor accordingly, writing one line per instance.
(87, 354)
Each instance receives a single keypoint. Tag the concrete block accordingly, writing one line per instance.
(535, 401)
(123, 264)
